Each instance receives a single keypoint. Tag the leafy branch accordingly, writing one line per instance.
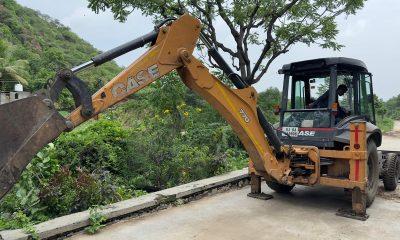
(271, 27)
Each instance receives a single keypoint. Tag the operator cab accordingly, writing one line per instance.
(320, 97)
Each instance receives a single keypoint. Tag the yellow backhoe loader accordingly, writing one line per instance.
(29, 124)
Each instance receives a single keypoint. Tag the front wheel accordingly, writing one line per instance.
(372, 172)
(279, 188)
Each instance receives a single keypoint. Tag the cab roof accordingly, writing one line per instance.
(324, 63)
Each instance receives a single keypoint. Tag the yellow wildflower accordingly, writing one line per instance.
(182, 105)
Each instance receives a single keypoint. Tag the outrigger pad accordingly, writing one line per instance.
(26, 126)
(262, 196)
(349, 213)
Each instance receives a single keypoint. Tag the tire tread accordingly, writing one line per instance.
(371, 193)
(391, 175)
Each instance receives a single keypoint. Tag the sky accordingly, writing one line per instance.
(372, 35)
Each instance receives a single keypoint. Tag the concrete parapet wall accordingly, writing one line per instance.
(151, 202)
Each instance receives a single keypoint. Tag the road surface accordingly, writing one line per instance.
(391, 140)
(306, 213)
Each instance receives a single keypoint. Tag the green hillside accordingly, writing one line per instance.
(34, 46)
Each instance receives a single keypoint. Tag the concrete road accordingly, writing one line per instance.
(306, 213)
(391, 140)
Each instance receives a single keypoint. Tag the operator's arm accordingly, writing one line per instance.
(321, 102)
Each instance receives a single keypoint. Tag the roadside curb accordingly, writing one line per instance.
(74, 222)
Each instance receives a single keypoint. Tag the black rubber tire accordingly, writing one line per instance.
(391, 172)
(373, 172)
(279, 188)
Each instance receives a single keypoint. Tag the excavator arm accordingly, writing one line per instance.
(172, 49)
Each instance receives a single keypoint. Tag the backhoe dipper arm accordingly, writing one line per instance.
(239, 108)
(173, 50)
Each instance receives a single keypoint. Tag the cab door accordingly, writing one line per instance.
(365, 104)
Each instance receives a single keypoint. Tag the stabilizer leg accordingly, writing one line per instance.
(255, 186)
(359, 206)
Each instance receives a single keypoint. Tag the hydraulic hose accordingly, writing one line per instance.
(124, 48)
(118, 51)
(151, 37)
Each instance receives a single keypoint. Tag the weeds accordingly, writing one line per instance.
(96, 220)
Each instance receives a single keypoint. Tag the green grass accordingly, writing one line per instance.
(386, 124)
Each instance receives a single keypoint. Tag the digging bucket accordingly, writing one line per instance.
(26, 126)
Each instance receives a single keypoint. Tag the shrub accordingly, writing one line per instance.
(385, 124)
(95, 146)
(68, 192)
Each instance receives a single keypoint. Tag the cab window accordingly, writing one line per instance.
(366, 97)
(299, 98)
(346, 100)
(319, 89)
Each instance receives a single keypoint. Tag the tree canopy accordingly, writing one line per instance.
(272, 26)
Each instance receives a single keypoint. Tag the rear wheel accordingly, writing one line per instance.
(279, 188)
(372, 172)
(392, 172)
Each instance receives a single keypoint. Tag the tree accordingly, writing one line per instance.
(11, 70)
(272, 26)
(267, 100)
(394, 105)
(380, 107)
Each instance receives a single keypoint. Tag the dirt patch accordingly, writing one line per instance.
(391, 140)
(396, 130)
(393, 195)
(393, 134)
